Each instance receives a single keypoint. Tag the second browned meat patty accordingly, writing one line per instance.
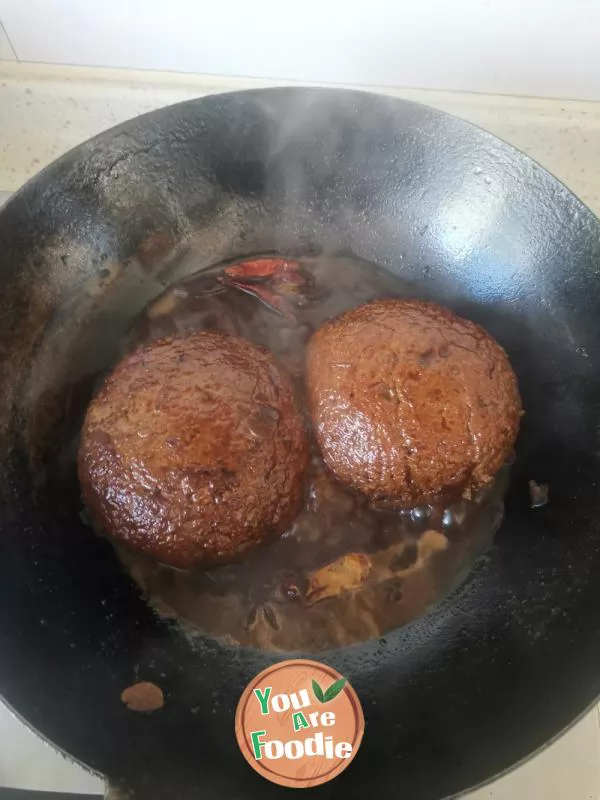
(194, 450)
(410, 402)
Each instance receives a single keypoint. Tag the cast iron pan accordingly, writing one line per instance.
(497, 669)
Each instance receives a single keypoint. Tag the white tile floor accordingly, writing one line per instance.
(45, 111)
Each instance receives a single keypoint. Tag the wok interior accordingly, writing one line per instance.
(461, 219)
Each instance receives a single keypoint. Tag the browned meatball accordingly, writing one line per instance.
(410, 402)
(193, 450)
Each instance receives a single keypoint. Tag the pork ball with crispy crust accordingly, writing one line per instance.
(194, 450)
(410, 402)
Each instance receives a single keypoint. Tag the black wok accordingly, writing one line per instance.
(497, 669)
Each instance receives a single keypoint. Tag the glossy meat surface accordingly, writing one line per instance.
(411, 402)
(193, 450)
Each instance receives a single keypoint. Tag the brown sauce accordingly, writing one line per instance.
(345, 571)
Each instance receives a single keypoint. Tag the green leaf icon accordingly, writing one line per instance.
(331, 693)
(318, 692)
(334, 690)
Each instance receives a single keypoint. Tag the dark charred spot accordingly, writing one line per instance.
(267, 415)
(271, 617)
(251, 619)
(393, 591)
(538, 494)
(427, 358)
(389, 393)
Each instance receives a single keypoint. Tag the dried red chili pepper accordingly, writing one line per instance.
(282, 274)
(266, 295)
(261, 268)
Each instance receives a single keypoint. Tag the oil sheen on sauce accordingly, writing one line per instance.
(345, 571)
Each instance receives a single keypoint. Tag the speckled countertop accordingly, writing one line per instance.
(44, 111)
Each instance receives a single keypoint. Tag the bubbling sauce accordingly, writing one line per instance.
(346, 570)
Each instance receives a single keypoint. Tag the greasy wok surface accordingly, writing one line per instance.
(492, 673)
